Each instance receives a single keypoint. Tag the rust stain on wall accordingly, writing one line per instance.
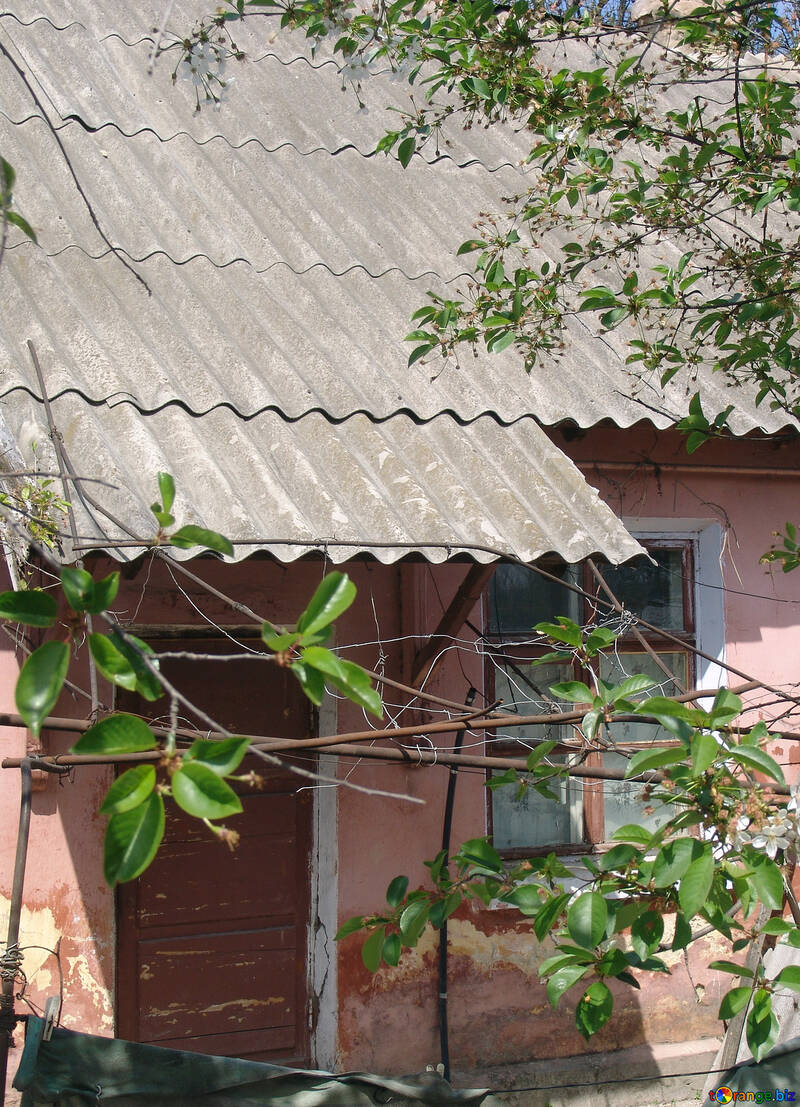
(493, 978)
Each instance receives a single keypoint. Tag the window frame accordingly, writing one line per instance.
(514, 645)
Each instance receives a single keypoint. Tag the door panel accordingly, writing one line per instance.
(212, 950)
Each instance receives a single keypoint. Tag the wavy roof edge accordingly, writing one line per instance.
(650, 417)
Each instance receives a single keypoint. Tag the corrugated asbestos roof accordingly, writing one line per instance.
(284, 260)
(279, 262)
(383, 488)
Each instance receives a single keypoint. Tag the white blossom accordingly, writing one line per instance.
(740, 836)
(355, 69)
(202, 62)
(776, 833)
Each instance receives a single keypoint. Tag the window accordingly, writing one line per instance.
(586, 812)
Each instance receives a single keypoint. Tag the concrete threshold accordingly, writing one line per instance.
(636, 1077)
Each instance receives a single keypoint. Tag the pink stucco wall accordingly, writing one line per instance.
(498, 1012)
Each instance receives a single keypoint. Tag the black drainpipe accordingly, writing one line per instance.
(11, 960)
(446, 829)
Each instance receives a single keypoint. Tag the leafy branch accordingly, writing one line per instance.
(197, 779)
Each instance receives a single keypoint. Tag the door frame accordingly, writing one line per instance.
(321, 898)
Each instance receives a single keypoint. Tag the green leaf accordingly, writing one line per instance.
(673, 860)
(762, 1025)
(637, 683)
(631, 832)
(392, 948)
(166, 487)
(78, 587)
(413, 921)
(696, 884)
(553, 964)
(526, 897)
(705, 749)
(563, 631)
(333, 596)
(594, 1009)
(200, 792)
(590, 723)
(727, 705)
(733, 1002)
(372, 949)
(40, 682)
(104, 594)
(617, 857)
(23, 224)
(547, 915)
(31, 608)
(278, 640)
(132, 839)
(9, 176)
(586, 919)
(731, 967)
(396, 892)
(674, 717)
(469, 247)
(420, 352)
(776, 926)
(83, 593)
(220, 757)
(751, 757)
(146, 683)
(646, 933)
(539, 752)
(113, 665)
(443, 908)
(481, 853)
(572, 690)
(129, 790)
(348, 677)
(789, 978)
(190, 536)
(766, 881)
(118, 733)
(311, 681)
(683, 932)
(563, 979)
(599, 639)
(406, 150)
(349, 926)
(646, 760)
(612, 963)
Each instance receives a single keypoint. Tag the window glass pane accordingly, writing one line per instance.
(655, 592)
(523, 689)
(519, 598)
(615, 667)
(533, 820)
(623, 803)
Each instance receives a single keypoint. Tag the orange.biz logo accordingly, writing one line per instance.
(728, 1095)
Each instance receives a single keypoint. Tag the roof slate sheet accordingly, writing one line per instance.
(233, 306)
(324, 250)
(291, 488)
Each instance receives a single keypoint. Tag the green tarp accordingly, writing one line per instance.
(73, 1070)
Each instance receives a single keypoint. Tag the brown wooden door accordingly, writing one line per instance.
(212, 944)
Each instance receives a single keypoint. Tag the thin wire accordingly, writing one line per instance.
(206, 618)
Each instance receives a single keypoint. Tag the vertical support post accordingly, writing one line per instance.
(10, 960)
